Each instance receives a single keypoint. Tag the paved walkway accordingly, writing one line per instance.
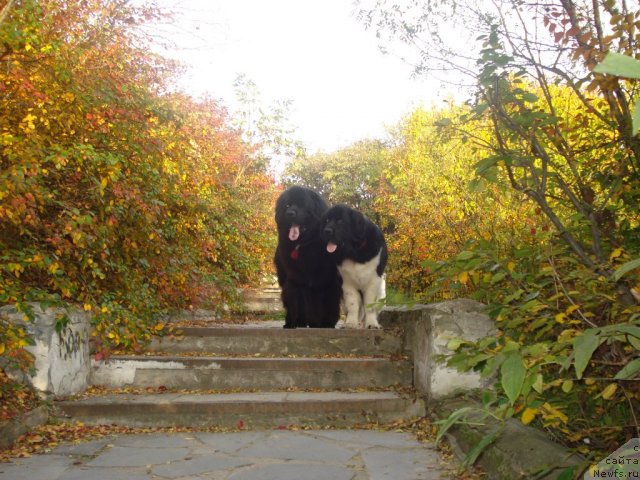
(268, 455)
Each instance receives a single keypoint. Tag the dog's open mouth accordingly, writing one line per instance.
(294, 232)
(331, 247)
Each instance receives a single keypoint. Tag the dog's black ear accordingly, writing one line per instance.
(359, 227)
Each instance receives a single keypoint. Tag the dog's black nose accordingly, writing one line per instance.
(291, 214)
(328, 231)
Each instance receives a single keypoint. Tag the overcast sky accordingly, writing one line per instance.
(313, 52)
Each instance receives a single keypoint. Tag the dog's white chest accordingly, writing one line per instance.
(359, 274)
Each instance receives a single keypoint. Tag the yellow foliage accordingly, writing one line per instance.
(615, 254)
(552, 415)
(609, 391)
(528, 415)
(572, 308)
(561, 318)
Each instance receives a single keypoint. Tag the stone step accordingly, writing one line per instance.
(212, 373)
(279, 341)
(265, 300)
(243, 410)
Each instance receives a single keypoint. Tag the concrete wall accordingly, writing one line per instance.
(520, 452)
(427, 331)
(62, 363)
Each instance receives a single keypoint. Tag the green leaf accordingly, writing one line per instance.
(476, 359)
(514, 296)
(629, 371)
(459, 361)
(486, 164)
(465, 255)
(625, 268)
(444, 122)
(635, 119)
(498, 277)
(451, 420)
(477, 185)
(628, 329)
(619, 65)
(538, 384)
(487, 398)
(475, 452)
(584, 346)
(511, 346)
(529, 381)
(61, 323)
(513, 372)
(538, 349)
(480, 108)
(567, 473)
(533, 306)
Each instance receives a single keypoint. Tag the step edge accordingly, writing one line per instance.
(281, 332)
(248, 360)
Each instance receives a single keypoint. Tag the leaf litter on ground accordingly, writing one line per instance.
(45, 438)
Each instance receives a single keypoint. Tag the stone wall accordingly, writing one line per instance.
(427, 329)
(62, 362)
(520, 452)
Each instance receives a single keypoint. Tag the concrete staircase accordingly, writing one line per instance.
(254, 377)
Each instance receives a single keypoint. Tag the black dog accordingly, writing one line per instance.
(307, 276)
(358, 247)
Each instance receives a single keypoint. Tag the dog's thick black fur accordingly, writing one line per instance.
(308, 278)
(359, 250)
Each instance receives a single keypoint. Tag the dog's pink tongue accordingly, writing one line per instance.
(331, 247)
(294, 233)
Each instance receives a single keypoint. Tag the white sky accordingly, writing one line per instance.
(313, 52)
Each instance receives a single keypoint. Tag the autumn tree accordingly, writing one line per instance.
(350, 175)
(559, 134)
(425, 196)
(265, 126)
(116, 193)
(524, 50)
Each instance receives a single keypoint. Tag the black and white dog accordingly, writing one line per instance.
(358, 247)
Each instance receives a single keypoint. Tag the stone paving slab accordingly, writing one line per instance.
(265, 455)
